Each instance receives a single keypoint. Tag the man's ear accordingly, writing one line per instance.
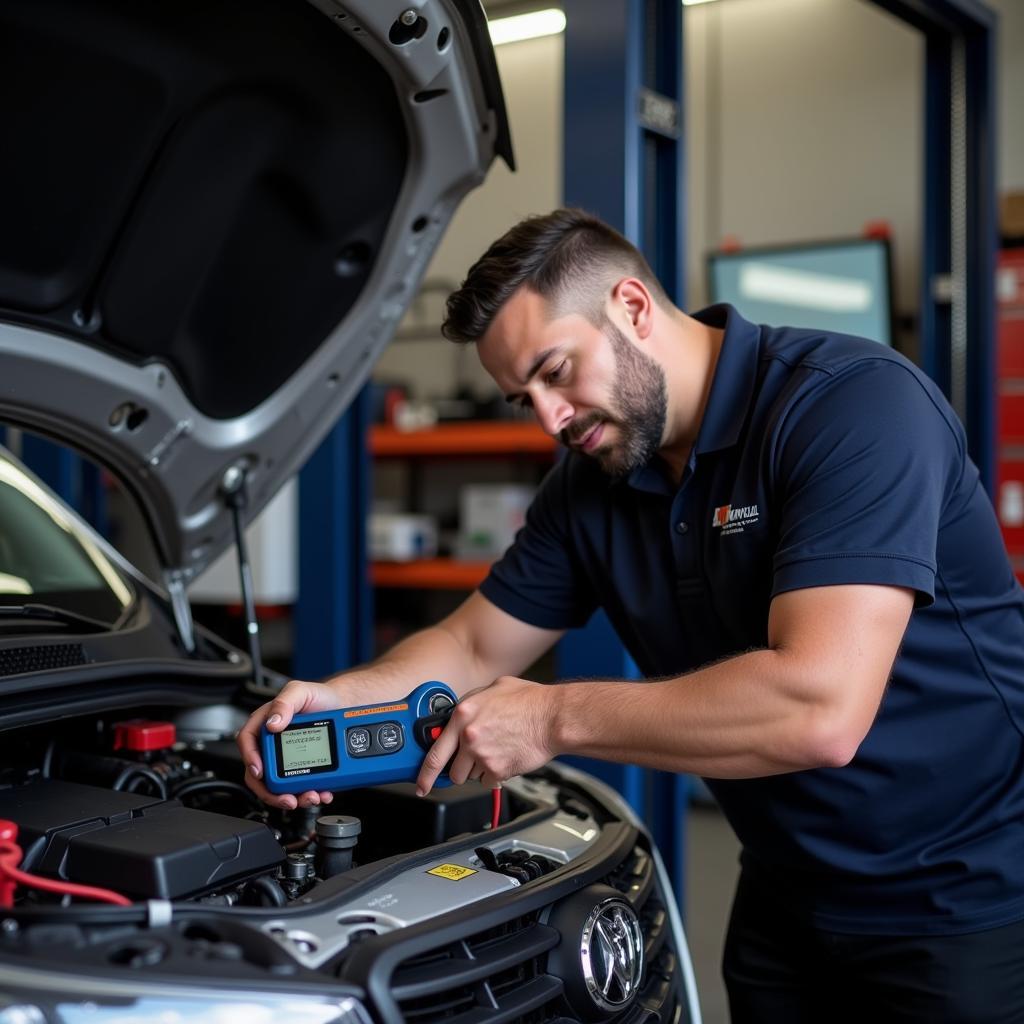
(632, 295)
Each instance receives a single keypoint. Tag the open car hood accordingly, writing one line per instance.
(214, 215)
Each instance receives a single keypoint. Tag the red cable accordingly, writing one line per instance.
(10, 875)
(496, 806)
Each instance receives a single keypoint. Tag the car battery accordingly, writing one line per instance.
(393, 814)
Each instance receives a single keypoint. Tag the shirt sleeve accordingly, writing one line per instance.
(863, 465)
(539, 580)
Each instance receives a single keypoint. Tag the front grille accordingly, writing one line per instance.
(500, 971)
(16, 661)
(499, 976)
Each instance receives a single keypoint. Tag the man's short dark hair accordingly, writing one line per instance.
(567, 256)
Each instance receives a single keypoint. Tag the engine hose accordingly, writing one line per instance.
(270, 888)
(190, 788)
(140, 772)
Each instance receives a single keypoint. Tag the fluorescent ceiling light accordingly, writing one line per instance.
(808, 290)
(527, 26)
(690, 3)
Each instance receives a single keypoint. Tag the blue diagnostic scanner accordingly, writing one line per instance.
(350, 747)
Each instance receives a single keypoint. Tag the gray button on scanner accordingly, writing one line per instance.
(358, 740)
(389, 737)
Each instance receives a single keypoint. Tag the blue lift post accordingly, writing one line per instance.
(75, 481)
(334, 612)
(59, 468)
(960, 222)
(624, 161)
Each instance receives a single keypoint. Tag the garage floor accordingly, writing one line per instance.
(711, 870)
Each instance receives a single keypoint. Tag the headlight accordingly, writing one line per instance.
(45, 997)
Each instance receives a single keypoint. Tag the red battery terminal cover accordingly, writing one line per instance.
(141, 736)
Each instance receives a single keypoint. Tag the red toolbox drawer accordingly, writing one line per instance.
(1010, 314)
(1010, 411)
(1010, 277)
(1010, 504)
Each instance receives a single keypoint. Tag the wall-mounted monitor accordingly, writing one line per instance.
(838, 286)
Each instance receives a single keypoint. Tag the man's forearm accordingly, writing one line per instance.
(752, 715)
(432, 653)
(806, 701)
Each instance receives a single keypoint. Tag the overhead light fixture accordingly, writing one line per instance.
(691, 3)
(805, 289)
(518, 27)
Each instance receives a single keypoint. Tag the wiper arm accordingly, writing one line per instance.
(53, 614)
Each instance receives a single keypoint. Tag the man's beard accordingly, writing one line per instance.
(640, 396)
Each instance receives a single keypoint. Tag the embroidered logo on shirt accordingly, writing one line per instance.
(734, 520)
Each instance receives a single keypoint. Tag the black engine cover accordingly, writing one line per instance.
(136, 845)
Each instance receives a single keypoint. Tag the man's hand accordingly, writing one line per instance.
(499, 731)
(294, 699)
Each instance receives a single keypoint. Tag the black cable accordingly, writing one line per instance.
(208, 785)
(47, 766)
(141, 771)
(149, 775)
(81, 913)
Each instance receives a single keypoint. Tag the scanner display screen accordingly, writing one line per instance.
(308, 748)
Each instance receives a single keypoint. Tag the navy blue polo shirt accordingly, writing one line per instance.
(822, 459)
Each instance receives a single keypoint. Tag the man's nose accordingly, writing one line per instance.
(553, 412)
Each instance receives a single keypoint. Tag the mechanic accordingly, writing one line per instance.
(787, 533)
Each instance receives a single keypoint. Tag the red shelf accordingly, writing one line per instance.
(429, 574)
(479, 437)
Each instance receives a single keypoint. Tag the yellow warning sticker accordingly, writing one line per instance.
(453, 872)
(384, 708)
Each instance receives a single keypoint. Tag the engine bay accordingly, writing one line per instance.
(378, 896)
(153, 813)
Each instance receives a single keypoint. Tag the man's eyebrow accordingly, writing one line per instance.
(538, 361)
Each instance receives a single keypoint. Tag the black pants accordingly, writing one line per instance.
(778, 971)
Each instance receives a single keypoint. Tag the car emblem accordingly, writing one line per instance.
(612, 953)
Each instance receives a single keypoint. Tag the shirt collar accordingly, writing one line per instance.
(733, 383)
(729, 400)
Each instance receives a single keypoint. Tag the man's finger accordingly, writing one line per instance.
(250, 753)
(276, 715)
(437, 757)
(252, 780)
(286, 802)
(279, 714)
(462, 767)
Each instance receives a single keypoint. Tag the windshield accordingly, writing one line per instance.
(46, 557)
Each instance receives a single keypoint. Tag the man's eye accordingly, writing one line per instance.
(556, 373)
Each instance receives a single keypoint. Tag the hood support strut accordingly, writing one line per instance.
(175, 582)
(233, 486)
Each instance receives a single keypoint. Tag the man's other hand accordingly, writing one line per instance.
(499, 731)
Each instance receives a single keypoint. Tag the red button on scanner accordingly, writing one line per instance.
(436, 731)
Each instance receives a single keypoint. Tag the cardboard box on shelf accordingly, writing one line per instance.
(489, 517)
(400, 537)
(1011, 215)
